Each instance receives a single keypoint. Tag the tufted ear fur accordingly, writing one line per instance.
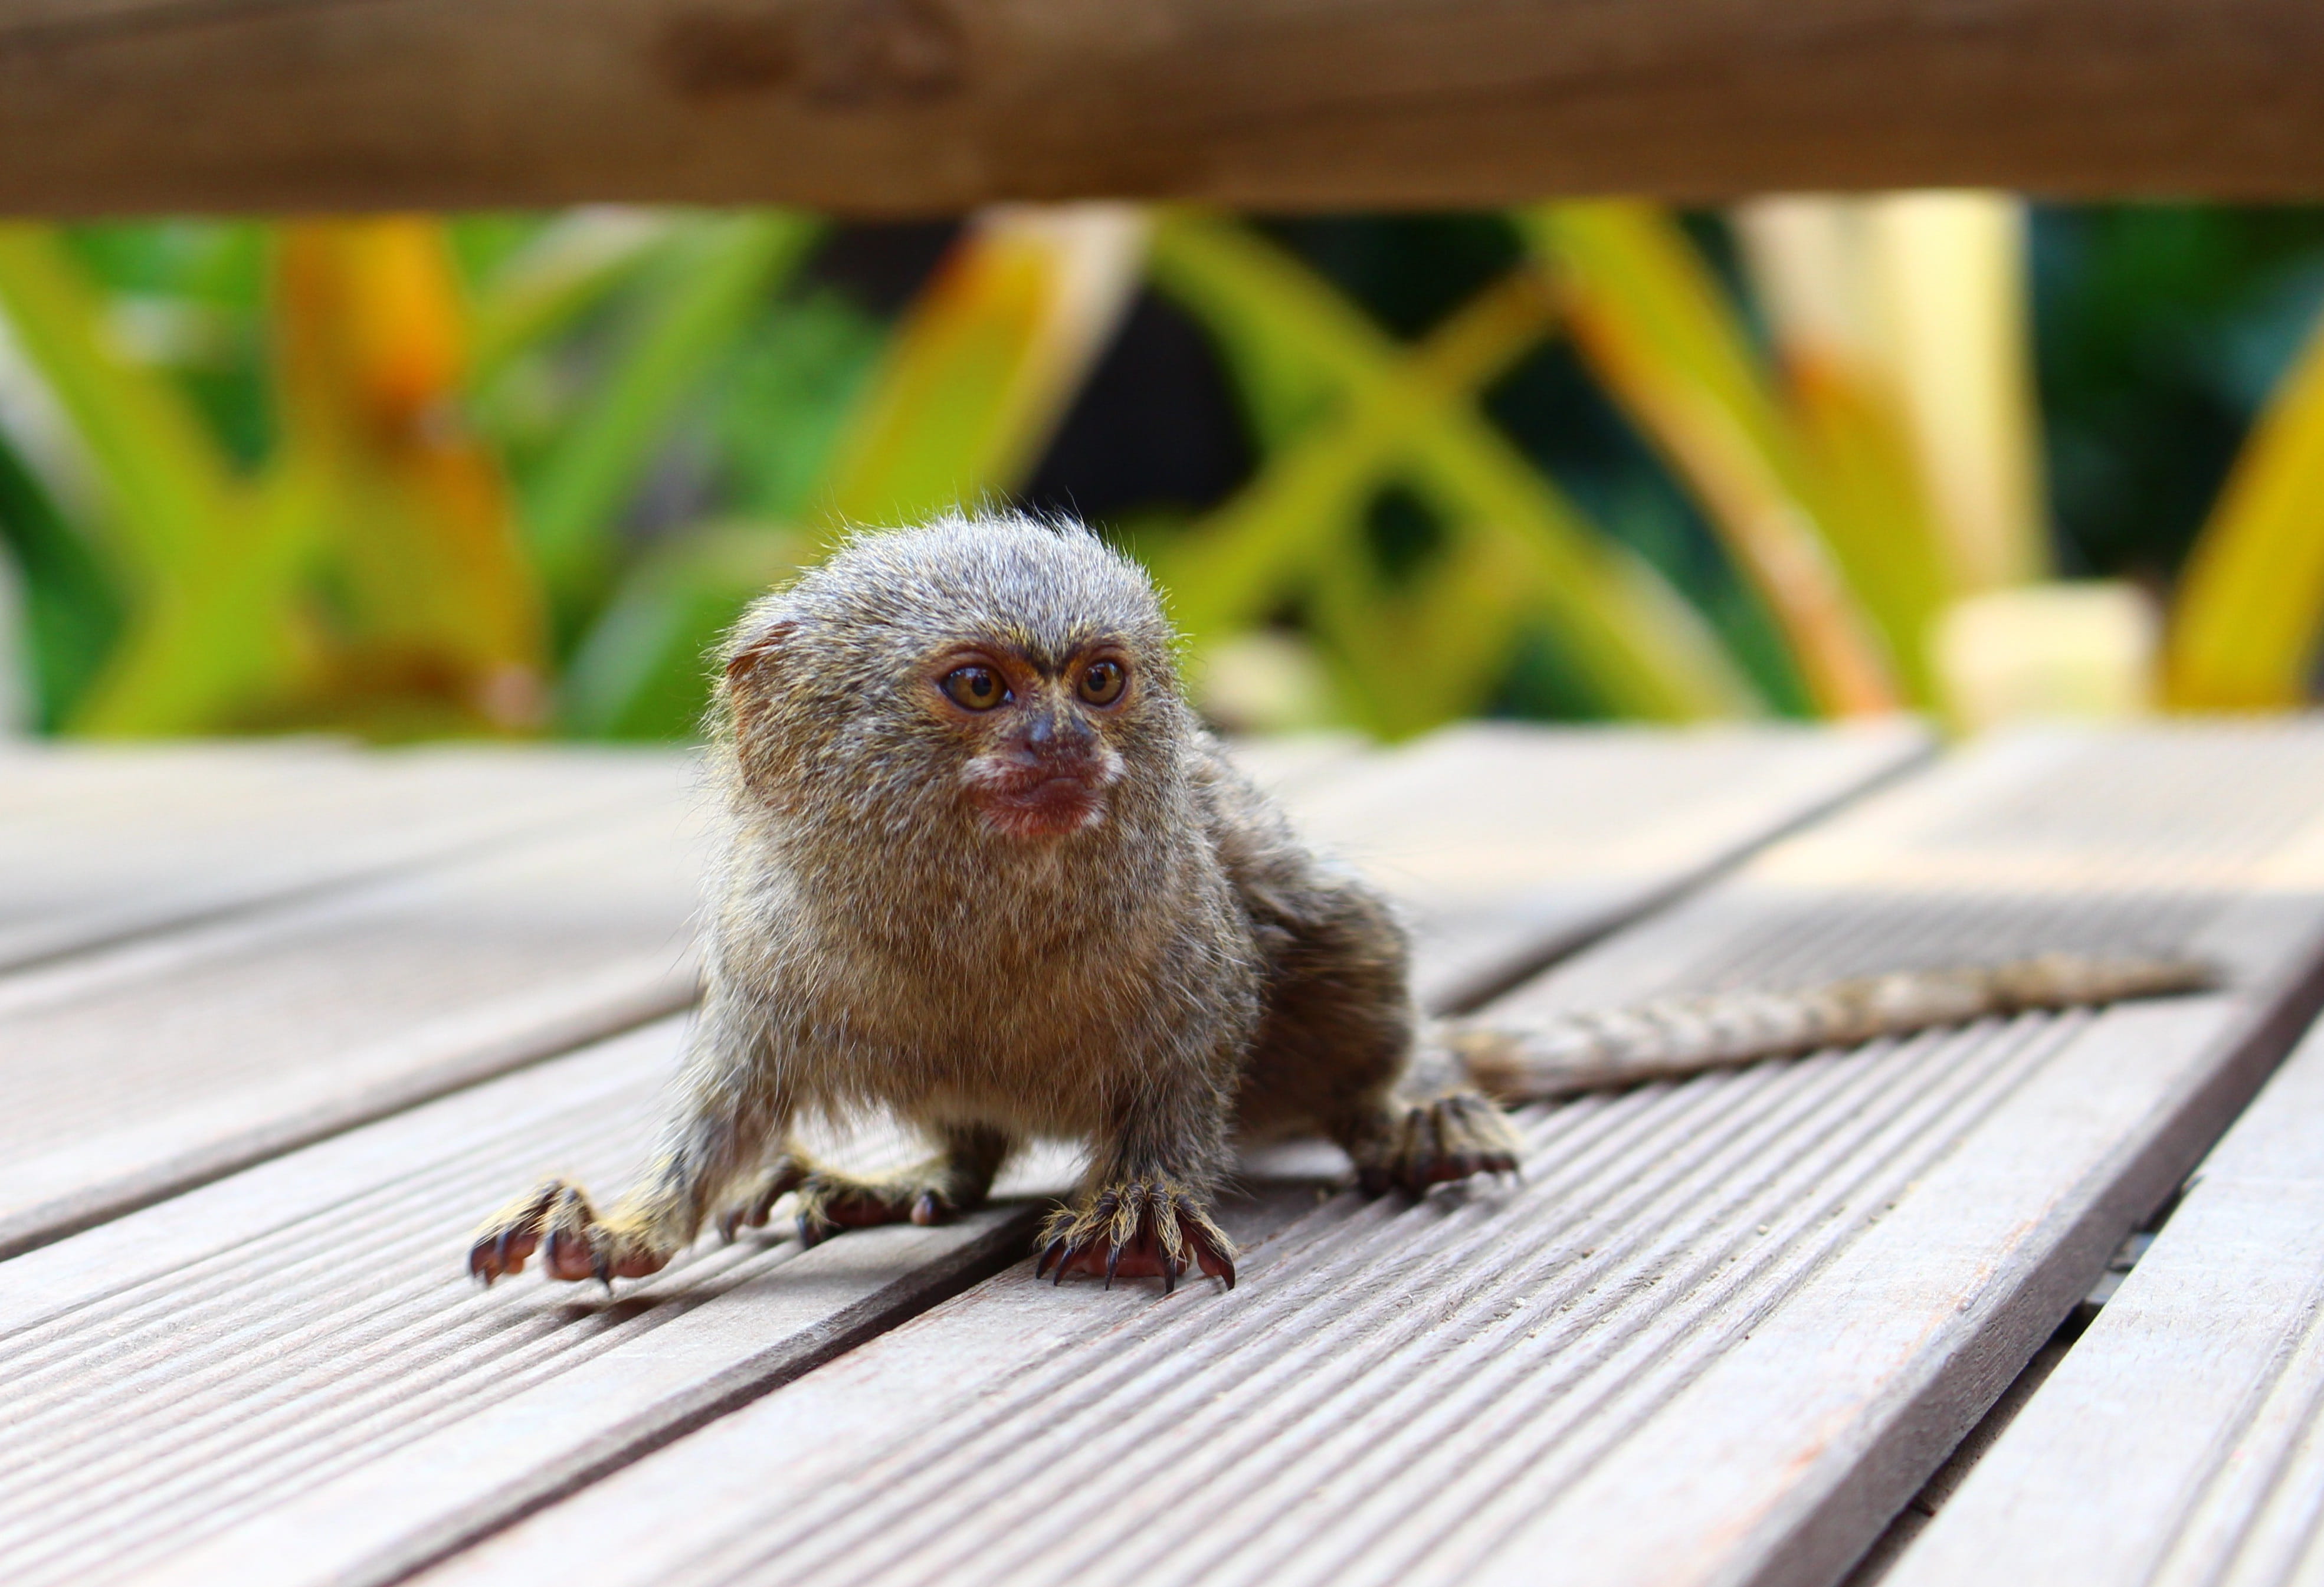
(753, 654)
(750, 650)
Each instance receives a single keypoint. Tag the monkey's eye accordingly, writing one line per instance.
(976, 689)
(1101, 682)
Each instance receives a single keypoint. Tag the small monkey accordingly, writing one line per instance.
(984, 869)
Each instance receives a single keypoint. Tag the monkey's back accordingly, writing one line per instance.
(1337, 1022)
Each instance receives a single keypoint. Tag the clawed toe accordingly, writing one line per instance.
(556, 1219)
(829, 1203)
(1136, 1231)
(753, 1210)
(508, 1240)
(571, 1251)
(1447, 1138)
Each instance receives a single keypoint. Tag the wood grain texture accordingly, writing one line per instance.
(99, 842)
(282, 1376)
(239, 1350)
(924, 106)
(178, 1056)
(2179, 1441)
(1511, 846)
(1721, 1332)
(141, 1068)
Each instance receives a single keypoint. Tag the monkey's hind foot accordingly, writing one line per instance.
(1140, 1229)
(1451, 1137)
(830, 1202)
(757, 1203)
(574, 1244)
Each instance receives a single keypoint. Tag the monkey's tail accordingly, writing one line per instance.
(1564, 1054)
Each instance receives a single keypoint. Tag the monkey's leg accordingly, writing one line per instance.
(1144, 1211)
(954, 1181)
(1398, 1142)
(1141, 1227)
(718, 1126)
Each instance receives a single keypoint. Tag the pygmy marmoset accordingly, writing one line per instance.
(984, 869)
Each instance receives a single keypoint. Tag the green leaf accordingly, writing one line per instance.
(72, 615)
(562, 270)
(165, 481)
(1655, 328)
(697, 298)
(1642, 649)
(982, 369)
(208, 569)
(2246, 628)
(641, 672)
(785, 397)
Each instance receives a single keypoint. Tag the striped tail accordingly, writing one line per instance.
(1599, 1050)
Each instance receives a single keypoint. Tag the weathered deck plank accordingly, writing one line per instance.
(290, 1353)
(100, 843)
(220, 1355)
(2178, 1443)
(1722, 1330)
(1512, 848)
(179, 1055)
(139, 1069)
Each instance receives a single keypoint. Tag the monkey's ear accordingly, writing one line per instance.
(755, 646)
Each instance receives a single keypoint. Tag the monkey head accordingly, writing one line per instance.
(1006, 676)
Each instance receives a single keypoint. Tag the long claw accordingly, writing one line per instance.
(1213, 1261)
(1448, 1139)
(1137, 1230)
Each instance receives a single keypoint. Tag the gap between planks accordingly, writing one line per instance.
(1724, 1330)
(154, 1413)
(159, 1064)
(2178, 1443)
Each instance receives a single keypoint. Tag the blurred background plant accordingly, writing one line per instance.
(414, 476)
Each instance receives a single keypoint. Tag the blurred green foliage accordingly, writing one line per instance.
(514, 473)
(2159, 332)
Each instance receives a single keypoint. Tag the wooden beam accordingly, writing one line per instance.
(893, 107)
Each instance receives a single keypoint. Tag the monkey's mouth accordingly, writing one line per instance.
(1042, 805)
(1042, 797)
(1047, 795)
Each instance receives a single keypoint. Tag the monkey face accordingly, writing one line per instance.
(1039, 730)
(1000, 680)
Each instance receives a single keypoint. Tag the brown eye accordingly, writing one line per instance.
(976, 689)
(1101, 682)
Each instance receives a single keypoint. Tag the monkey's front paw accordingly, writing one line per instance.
(1448, 1137)
(1141, 1230)
(578, 1244)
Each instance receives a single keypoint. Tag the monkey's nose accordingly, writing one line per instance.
(1056, 733)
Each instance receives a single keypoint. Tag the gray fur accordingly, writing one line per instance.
(1178, 969)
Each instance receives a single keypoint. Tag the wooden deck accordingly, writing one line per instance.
(281, 1022)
